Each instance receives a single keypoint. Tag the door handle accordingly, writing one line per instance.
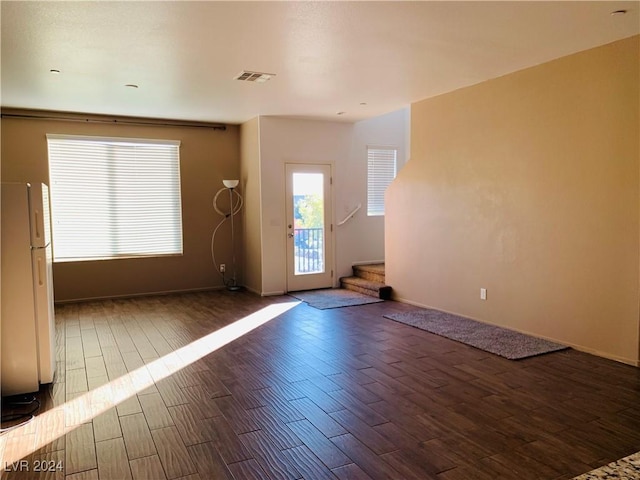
(290, 235)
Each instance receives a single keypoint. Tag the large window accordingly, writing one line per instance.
(114, 197)
(381, 168)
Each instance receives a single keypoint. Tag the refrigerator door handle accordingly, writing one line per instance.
(37, 221)
(40, 272)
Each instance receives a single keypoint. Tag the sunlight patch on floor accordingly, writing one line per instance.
(54, 423)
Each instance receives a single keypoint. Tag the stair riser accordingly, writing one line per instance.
(351, 283)
(365, 291)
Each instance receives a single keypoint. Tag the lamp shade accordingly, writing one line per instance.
(230, 183)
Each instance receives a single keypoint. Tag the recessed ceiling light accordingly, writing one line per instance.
(54, 71)
(131, 85)
(618, 12)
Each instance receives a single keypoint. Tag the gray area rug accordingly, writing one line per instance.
(501, 341)
(626, 468)
(333, 298)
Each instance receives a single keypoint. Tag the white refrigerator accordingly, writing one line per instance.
(27, 316)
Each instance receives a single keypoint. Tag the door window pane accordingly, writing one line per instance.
(308, 222)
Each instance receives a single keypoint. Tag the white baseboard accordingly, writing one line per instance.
(263, 294)
(273, 294)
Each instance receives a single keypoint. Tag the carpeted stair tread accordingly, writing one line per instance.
(374, 272)
(368, 287)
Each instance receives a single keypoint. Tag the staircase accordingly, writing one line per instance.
(368, 279)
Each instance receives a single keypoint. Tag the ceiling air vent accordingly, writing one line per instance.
(258, 77)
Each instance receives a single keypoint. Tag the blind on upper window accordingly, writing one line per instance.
(114, 197)
(381, 168)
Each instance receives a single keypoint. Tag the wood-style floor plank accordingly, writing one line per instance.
(48, 434)
(106, 425)
(172, 452)
(319, 444)
(86, 475)
(309, 466)
(192, 428)
(270, 459)
(95, 367)
(318, 417)
(406, 469)
(248, 470)
(80, 450)
(363, 432)
(209, 462)
(278, 432)
(239, 419)
(155, 411)
(366, 459)
(342, 393)
(137, 437)
(112, 460)
(147, 468)
(351, 472)
(227, 442)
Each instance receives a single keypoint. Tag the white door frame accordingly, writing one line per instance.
(311, 280)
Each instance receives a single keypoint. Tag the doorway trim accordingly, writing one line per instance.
(326, 279)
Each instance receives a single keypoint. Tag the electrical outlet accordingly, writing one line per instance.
(223, 268)
(483, 294)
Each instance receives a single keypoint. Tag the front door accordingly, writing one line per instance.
(309, 228)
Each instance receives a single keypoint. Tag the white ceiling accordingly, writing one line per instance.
(328, 57)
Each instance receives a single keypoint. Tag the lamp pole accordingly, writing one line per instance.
(233, 286)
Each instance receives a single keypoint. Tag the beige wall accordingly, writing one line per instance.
(361, 239)
(207, 156)
(528, 185)
(267, 145)
(252, 216)
(283, 141)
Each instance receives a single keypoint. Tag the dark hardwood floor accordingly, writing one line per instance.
(313, 394)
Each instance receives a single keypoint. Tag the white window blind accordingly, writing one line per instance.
(381, 168)
(114, 197)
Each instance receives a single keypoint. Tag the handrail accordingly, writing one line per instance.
(353, 212)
